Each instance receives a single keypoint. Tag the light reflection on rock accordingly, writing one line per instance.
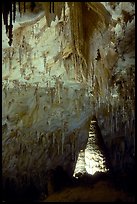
(91, 160)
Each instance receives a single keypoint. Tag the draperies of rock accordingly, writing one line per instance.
(78, 12)
(96, 17)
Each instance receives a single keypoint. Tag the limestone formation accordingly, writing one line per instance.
(59, 71)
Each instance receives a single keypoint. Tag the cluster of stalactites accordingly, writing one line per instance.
(85, 18)
(8, 10)
(52, 9)
(77, 36)
(78, 14)
(9, 15)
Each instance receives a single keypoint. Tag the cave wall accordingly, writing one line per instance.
(115, 86)
(47, 105)
(45, 108)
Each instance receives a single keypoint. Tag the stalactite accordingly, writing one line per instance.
(24, 7)
(108, 107)
(49, 122)
(44, 59)
(53, 137)
(6, 9)
(112, 125)
(73, 152)
(62, 141)
(128, 124)
(125, 129)
(19, 5)
(64, 11)
(53, 7)
(58, 139)
(59, 97)
(72, 139)
(32, 6)
(76, 107)
(10, 60)
(14, 11)
(99, 102)
(76, 68)
(49, 70)
(115, 122)
(59, 88)
(58, 148)
(52, 92)
(20, 55)
(50, 9)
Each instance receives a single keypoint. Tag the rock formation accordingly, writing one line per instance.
(57, 72)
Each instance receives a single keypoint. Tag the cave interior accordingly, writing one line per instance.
(68, 95)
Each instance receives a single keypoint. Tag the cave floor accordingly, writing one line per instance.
(101, 190)
(100, 187)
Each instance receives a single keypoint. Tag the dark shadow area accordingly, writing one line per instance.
(11, 192)
(57, 180)
(120, 183)
(102, 186)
